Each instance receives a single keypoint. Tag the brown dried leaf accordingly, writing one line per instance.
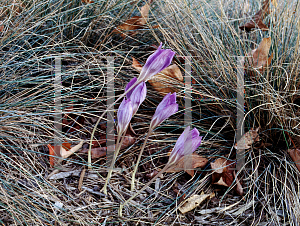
(165, 81)
(136, 64)
(134, 23)
(152, 174)
(194, 201)
(188, 164)
(224, 174)
(257, 21)
(87, 1)
(260, 57)
(63, 151)
(101, 151)
(295, 155)
(1, 26)
(247, 140)
(274, 2)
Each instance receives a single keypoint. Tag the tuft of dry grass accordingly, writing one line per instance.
(206, 31)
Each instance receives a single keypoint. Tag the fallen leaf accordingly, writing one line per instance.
(1, 26)
(63, 152)
(136, 64)
(247, 140)
(295, 155)
(16, 6)
(152, 174)
(55, 151)
(194, 201)
(165, 81)
(274, 2)
(96, 152)
(258, 58)
(188, 163)
(101, 151)
(224, 174)
(257, 21)
(77, 173)
(134, 23)
(87, 1)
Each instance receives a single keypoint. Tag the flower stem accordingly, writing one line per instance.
(139, 159)
(118, 146)
(99, 119)
(149, 183)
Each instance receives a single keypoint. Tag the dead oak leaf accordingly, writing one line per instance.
(247, 140)
(102, 151)
(63, 151)
(258, 58)
(295, 155)
(224, 174)
(188, 163)
(257, 21)
(259, 55)
(194, 201)
(165, 81)
(134, 23)
(87, 1)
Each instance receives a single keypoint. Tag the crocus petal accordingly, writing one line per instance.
(164, 110)
(180, 141)
(132, 81)
(156, 62)
(138, 95)
(166, 113)
(163, 103)
(124, 115)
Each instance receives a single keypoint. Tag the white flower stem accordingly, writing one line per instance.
(149, 183)
(139, 159)
(118, 147)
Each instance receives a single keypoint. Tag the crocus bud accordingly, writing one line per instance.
(164, 110)
(124, 115)
(156, 62)
(137, 95)
(186, 144)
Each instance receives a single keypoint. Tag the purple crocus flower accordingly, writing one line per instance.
(186, 144)
(137, 95)
(124, 115)
(164, 110)
(156, 62)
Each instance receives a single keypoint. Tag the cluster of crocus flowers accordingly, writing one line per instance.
(136, 89)
(135, 93)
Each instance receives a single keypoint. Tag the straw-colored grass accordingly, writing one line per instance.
(206, 31)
